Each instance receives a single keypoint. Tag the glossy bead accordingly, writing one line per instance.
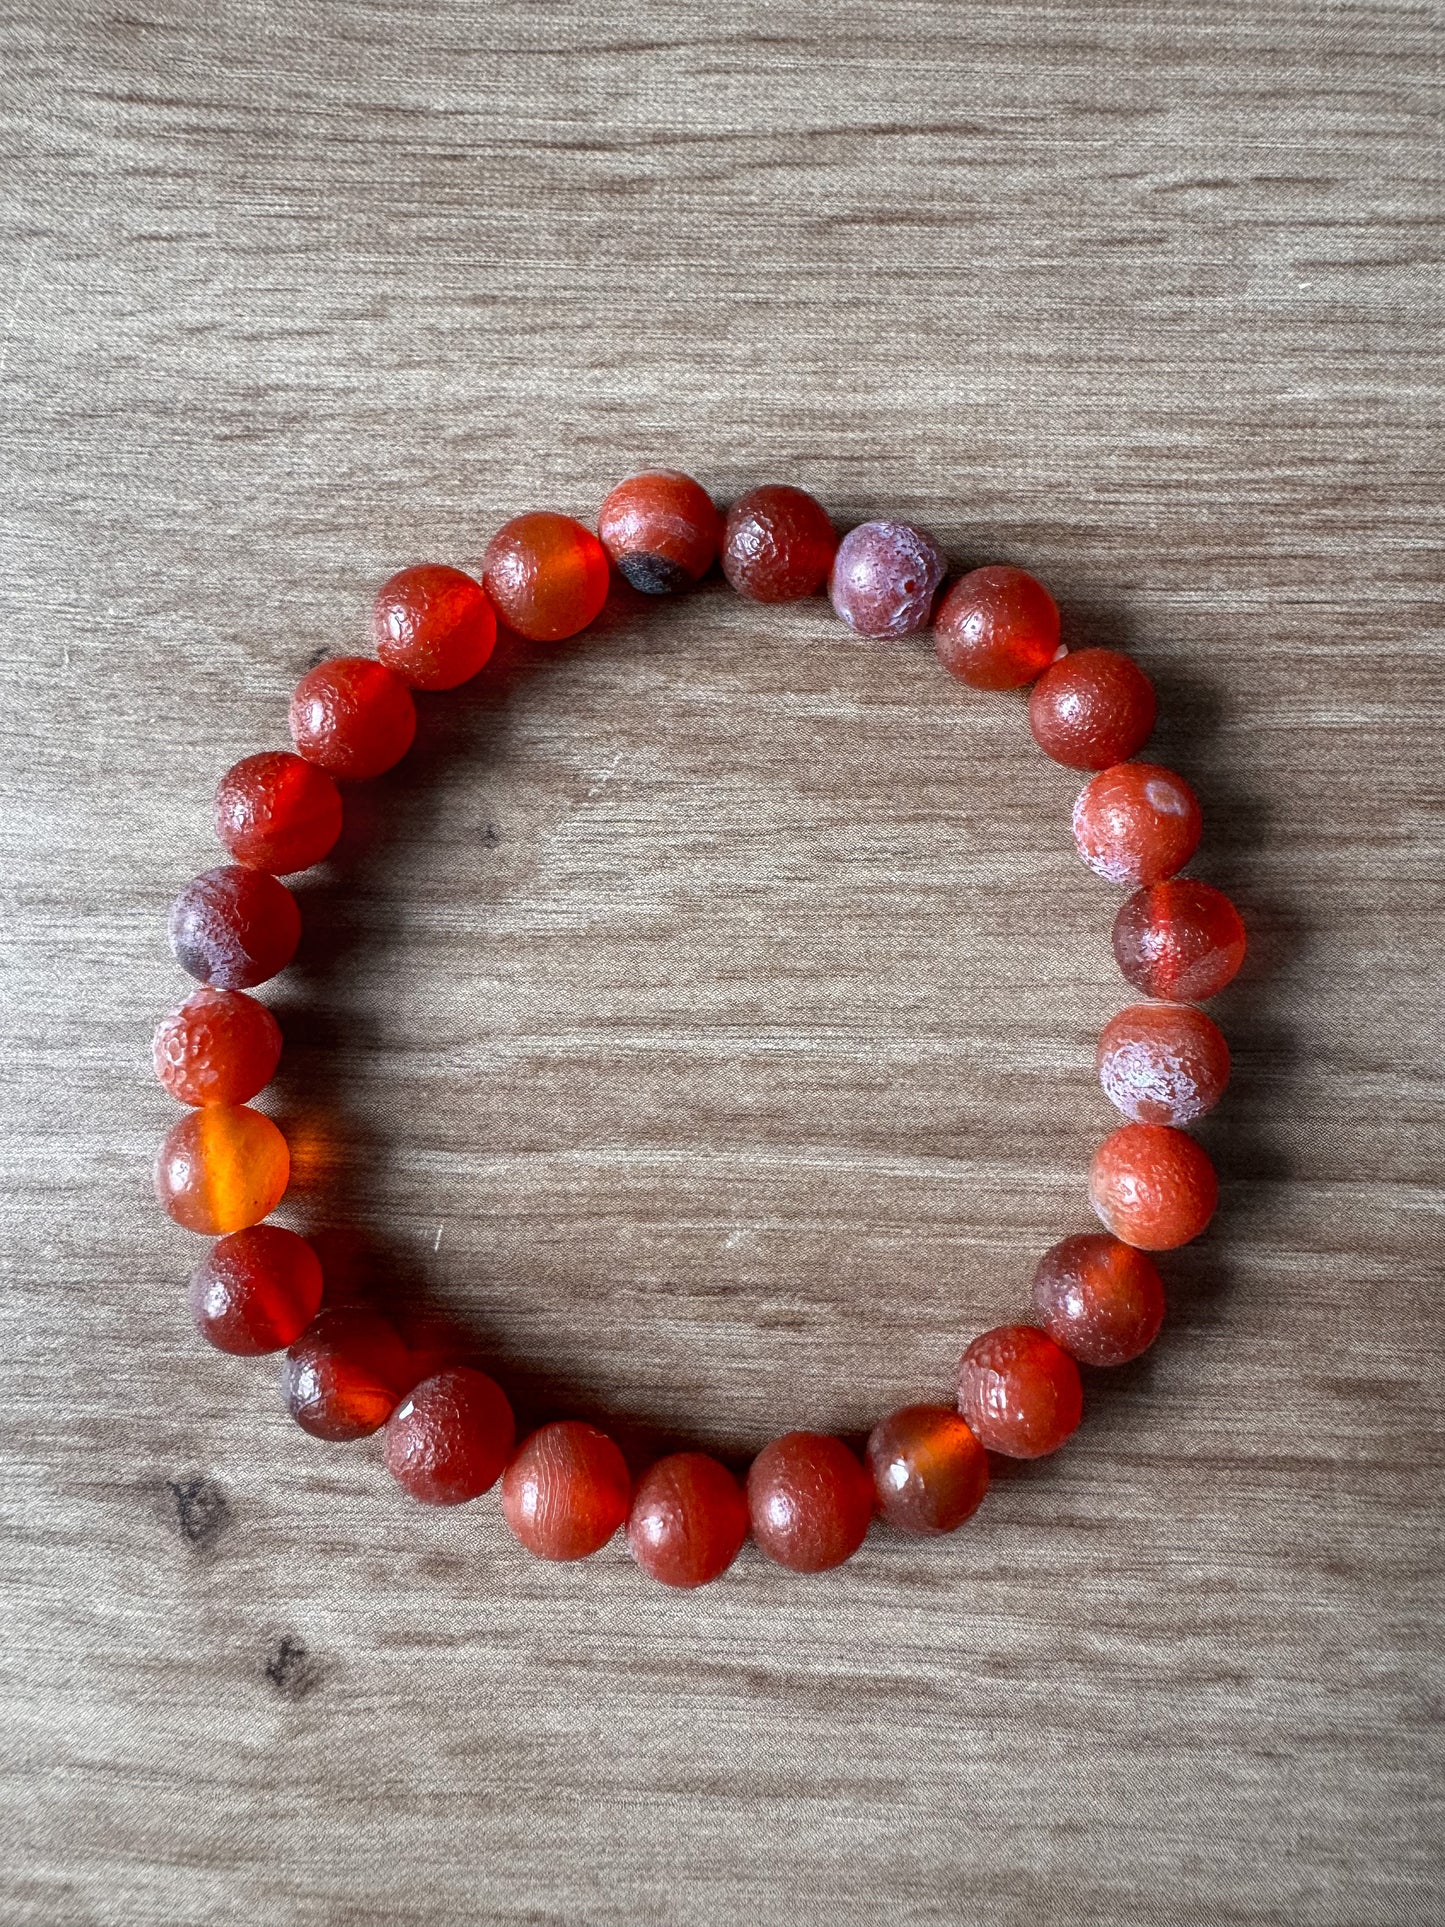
(222, 1168)
(809, 1501)
(566, 1491)
(1092, 708)
(450, 1438)
(256, 1290)
(885, 577)
(929, 1470)
(277, 812)
(1153, 1186)
(1137, 823)
(1163, 1063)
(345, 1375)
(234, 927)
(661, 530)
(353, 717)
(687, 1521)
(1181, 938)
(433, 626)
(997, 628)
(547, 575)
(1019, 1391)
(1103, 1301)
(778, 544)
(219, 1047)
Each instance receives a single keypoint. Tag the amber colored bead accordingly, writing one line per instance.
(778, 544)
(222, 1168)
(353, 717)
(345, 1375)
(1153, 1186)
(1163, 1063)
(997, 628)
(219, 1047)
(256, 1290)
(1137, 823)
(809, 1500)
(884, 578)
(450, 1438)
(566, 1491)
(547, 575)
(1102, 1300)
(234, 927)
(1181, 938)
(1092, 708)
(661, 530)
(687, 1521)
(929, 1471)
(277, 812)
(1019, 1391)
(433, 626)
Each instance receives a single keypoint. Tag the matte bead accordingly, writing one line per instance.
(450, 1438)
(1020, 1391)
(778, 544)
(234, 927)
(1153, 1186)
(1137, 823)
(256, 1290)
(547, 575)
(929, 1470)
(885, 577)
(219, 1047)
(353, 717)
(345, 1375)
(661, 530)
(433, 626)
(687, 1521)
(1092, 708)
(1181, 938)
(277, 812)
(997, 628)
(222, 1168)
(809, 1501)
(1102, 1300)
(566, 1492)
(1163, 1063)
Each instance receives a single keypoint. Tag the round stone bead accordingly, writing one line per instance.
(1092, 708)
(1153, 1186)
(547, 575)
(687, 1521)
(222, 1168)
(929, 1471)
(345, 1375)
(353, 717)
(1137, 823)
(1163, 1063)
(778, 544)
(220, 1047)
(566, 1491)
(1019, 1391)
(997, 628)
(661, 530)
(1103, 1301)
(433, 626)
(450, 1438)
(809, 1500)
(885, 577)
(234, 927)
(277, 812)
(1181, 938)
(256, 1290)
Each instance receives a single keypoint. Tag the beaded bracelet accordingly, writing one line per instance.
(449, 1433)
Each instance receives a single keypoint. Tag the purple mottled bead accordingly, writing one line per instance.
(885, 577)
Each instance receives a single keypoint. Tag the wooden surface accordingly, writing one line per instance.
(702, 1019)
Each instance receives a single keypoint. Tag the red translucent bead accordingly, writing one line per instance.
(234, 927)
(1103, 1301)
(997, 628)
(778, 544)
(809, 1500)
(345, 1375)
(547, 575)
(450, 1438)
(661, 530)
(1153, 1186)
(256, 1290)
(884, 578)
(1181, 938)
(1137, 823)
(687, 1521)
(352, 716)
(1163, 1063)
(433, 626)
(220, 1047)
(222, 1168)
(1020, 1391)
(929, 1470)
(277, 812)
(1092, 708)
(566, 1491)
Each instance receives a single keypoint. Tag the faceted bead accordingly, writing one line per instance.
(884, 578)
(566, 1491)
(353, 717)
(809, 1500)
(256, 1290)
(1019, 1391)
(778, 544)
(1181, 938)
(1092, 708)
(1163, 1063)
(661, 530)
(450, 1438)
(345, 1375)
(1103, 1301)
(277, 812)
(222, 1168)
(234, 927)
(687, 1521)
(929, 1471)
(220, 1047)
(433, 626)
(1137, 823)
(1153, 1186)
(997, 628)
(547, 575)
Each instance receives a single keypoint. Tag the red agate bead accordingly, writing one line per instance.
(256, 1290)
(884, 578)
(547, 575)
(1181, 938)
(222, 1168)
(1153, 1186)
(929, 1470)
(353, 717)
(451, 1436)
(687, 1521)
(1019, 1391)
(566, 1491)
(277, 812)
(997, 628)
(220, 1047)
(344, 1376)
(778, 544)
(1092, 708)
(661, 530)
(234, 927)
(1163, 1063)
(433, 626)
(1137, 823)
(809, 1500)
(1102, 1300)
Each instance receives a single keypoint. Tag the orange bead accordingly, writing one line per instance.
(566, 1491)
(778, 544)
(222, 1168)
(810, 1501)
(996, 628)
(256, 1290)
(1103, 1301)
(547, 575)
(929, 1471)
(1137, 823)
(661, 530)
(1163, 1063)
(234, 927)
(353, 717)
(1092, 708)
(433, 626)
(345, 1375)
(687, 1521)
(1181, 938)
(277, 812)
(451, 1436)
(220, 1047)
(1153, 1186)
(1019, 1391)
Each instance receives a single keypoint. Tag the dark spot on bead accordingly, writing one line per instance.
(202, 1510)
(653, 574)
(291, 1669)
